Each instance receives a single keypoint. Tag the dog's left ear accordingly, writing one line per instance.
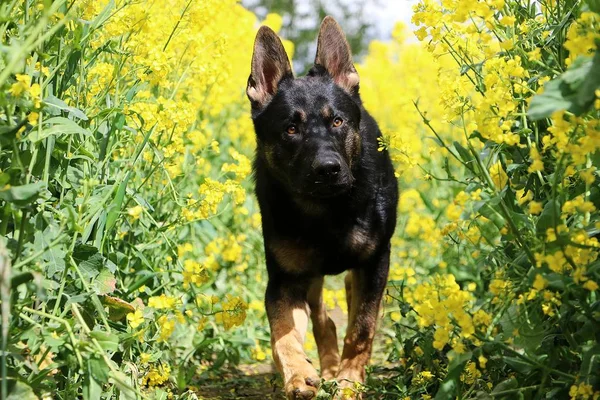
(334, 54)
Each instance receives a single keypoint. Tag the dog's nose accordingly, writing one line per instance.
(328, 168)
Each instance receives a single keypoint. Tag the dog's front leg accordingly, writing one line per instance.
(324, 330)
(287, 310)
(367, 285)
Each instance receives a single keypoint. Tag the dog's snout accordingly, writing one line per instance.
(327, 168)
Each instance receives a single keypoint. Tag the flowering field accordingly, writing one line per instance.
(131, 257)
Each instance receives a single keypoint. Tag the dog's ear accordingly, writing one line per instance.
(333, 53)
(270, 64)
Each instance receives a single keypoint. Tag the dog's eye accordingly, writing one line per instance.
(291, 130)
(337, 122)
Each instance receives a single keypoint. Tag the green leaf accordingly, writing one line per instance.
(546, 219)
(117, 308)
(90, 268)
(103, 16)
(108, 341)
(552, 99)
(22, 195)
(57, 126)
(89, 260)
(54, 256)
(508, 384)
(98, 369)
(466, 156)
(60, 105)
(590, 361)
(519, 365)
(115, 207)
(574, 90)
(594, 5)
(20, 391)
(124, 384)
(104, 283)
(92, 390)
(450, 384)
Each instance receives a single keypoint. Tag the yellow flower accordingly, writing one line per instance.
(135, 212)
(535, 207)
(233, 312)
(33, 118)
(156, 376)
(440, 338)
(498, 175)
(537, 163)
(135, 318)
(427, 375)
(540, 283)
(144, 358)
(590, 285)
(22, 85)
(193, 273)
(508, 20)
(588, 175)
(162, 302)
(167, 326)
(258, 353)
(482, 361)
(535, 54)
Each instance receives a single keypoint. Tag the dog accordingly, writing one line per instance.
(328, 200)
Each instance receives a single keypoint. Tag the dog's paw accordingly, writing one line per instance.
(302, 388)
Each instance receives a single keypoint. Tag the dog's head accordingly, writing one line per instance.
(307, 128)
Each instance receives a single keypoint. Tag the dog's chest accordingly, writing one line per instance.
(328, 252)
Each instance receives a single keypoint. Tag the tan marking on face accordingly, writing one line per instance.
(292, 257)
(326, 112)
(352, 146)
(303, 116)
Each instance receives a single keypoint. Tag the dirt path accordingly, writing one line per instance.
(261, 381)
(258, 381)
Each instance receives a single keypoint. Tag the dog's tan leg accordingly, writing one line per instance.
(367, 290)
(324, 331)
(348, 286)
(287, 310)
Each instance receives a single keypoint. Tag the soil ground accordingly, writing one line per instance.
(261, 381)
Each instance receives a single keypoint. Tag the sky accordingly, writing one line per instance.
(388, 13)
(383, 13)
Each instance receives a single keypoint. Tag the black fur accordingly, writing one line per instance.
(297, 210)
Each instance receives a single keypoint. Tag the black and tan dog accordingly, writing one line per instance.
(328, 201)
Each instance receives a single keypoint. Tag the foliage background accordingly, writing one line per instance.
(131, 254)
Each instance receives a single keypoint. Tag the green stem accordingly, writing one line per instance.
(34, 39)
(65, 323)
(503, 206)
(24, 217)
(511, 391)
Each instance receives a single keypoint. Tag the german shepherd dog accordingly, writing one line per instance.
(328, 201)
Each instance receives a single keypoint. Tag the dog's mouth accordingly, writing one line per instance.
(324, 190)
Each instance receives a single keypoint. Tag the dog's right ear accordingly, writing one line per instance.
(270, 64)
(334, 54)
